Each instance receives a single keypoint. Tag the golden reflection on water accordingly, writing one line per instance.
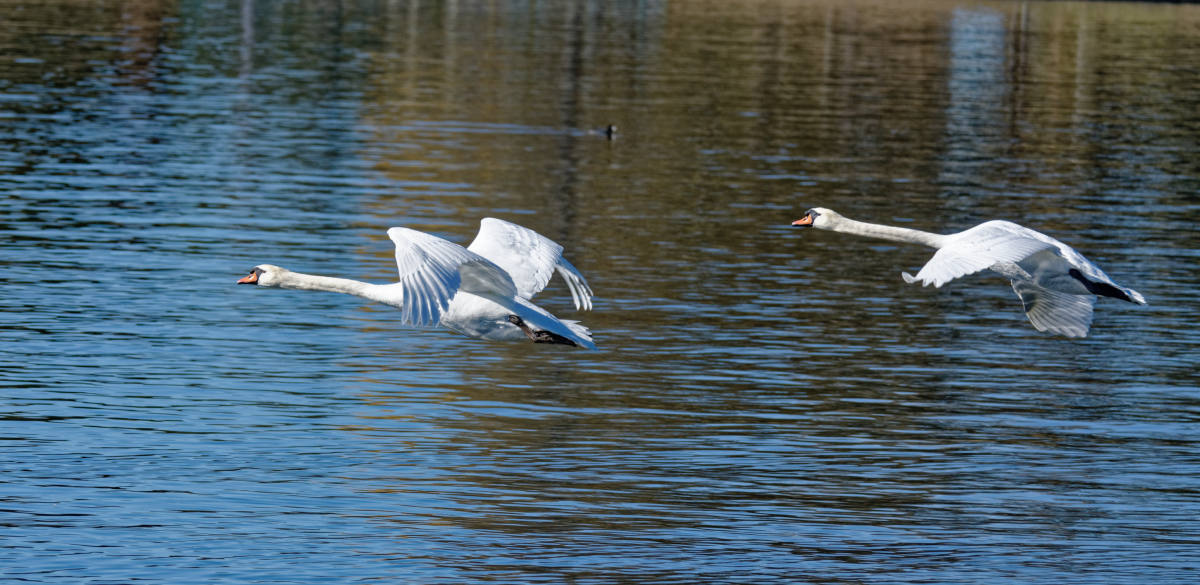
(726, 107)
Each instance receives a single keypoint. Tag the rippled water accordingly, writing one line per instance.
(768, 404)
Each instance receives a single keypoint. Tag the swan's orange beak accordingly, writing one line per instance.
(806, 220)
(251, 278)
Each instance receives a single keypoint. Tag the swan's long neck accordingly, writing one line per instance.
(301, 281)
(388, 294)
(886, 232)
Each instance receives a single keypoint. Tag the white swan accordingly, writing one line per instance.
(1056, 284)
(481, 291)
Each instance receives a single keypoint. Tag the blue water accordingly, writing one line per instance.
(768, 404)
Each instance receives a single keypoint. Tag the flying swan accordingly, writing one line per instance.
(480, 291)
(1056, 284)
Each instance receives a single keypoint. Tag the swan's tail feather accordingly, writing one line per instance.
(909, 278)
(580, 331)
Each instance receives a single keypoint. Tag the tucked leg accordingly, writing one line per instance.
(539, 336)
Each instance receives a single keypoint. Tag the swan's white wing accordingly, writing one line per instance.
(529, 258)
(1055, 312)
(581, 293)
(979, 248)
(432, 270)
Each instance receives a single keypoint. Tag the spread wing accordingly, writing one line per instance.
(432, 270)
(529, 258)
(979, 248)
(1060, 313)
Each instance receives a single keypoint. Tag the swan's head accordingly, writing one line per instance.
(264, 275)
(818, 217)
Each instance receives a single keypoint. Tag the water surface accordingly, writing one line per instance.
(768, 404)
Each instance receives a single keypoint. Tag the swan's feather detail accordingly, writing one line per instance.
(581, 293)
(979, 248)
(1055, 312)
(432, 270)
(529, 258)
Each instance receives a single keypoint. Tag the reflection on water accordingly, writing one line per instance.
(767, 405)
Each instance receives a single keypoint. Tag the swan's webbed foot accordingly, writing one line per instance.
(539, 336)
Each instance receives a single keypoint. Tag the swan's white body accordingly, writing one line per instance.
(475, 291)
(1056, 284)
